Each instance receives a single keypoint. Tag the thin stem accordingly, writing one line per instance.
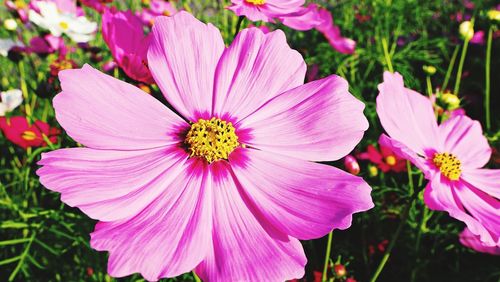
(196, 278)
(461, 64)
(450, 67)
(238, 25)
(417, 244)
(327, 256)
(386, 55)
(395, 237)
(488, 74)
(429, 85)
(24, 88)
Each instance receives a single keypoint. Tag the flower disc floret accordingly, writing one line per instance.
(448, 164)
(212, 139)
(256, 2)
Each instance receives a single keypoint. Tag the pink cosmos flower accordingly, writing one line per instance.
(124, 35)
(386, 160)
(265, 10)
(156, 8)
(47, 44)
(450, 155)
(478, 38)
(18, 131)
(228, 187)
(472, 241)
(332, 33)
(305, 18)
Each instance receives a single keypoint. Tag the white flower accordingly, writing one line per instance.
(6, 44)
(11, 99)
(79, 29)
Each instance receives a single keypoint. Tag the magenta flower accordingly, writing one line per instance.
(265, 10)
(156, 8)
(472, 241)
(305, 18)
(386, 160)
(332, 33)
(228, 188)
(450, 156)
(124, 35)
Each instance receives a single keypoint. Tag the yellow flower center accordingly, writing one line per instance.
(20, 4)
(212, 139)
(64, 25)
(448, 164)
(28, 135)
(390, 160)
(256, 2)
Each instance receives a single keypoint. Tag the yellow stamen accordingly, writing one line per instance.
(256, 2)
(28, 135)
(64, 25)
(212, 139)
(448, 164)
(390, 160)
(20, 4)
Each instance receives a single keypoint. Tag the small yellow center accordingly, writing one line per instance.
(28, 135)
(212, 139)
(390, 160)
(20, 4)
(64, 25)
(448, 164)
(256, 2)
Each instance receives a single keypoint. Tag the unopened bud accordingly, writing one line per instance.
(493, 15)
(10, 24)
(466, 30)
(351, 165)
(429, 70)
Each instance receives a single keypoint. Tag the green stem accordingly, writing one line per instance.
(327, 256)
(417, 245)
(429, 85)
(196, 278)
(238, 25)
(402, 222)
(24, 88)
(488, 74)
(461, 64)
(386, 55)
(450, 68)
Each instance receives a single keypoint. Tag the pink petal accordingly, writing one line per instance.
(486, 180)
(472, 241)
(440, 194)
(267, 12)
(464, 138)
(406, 115)
(406, 153)
(254, 69)
(303, 199)
(107, 184)
(318, 121)
(169, 237)
(484, 208)
(304, 19)
(182, 58)
(243, 249)
(102, 112)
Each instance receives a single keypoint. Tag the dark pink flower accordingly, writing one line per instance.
(478, 38)
(97, 5)
(18, 131)
(46, 44)
(124, 35)
(385, 159)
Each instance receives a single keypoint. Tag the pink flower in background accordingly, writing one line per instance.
(156, 8)
(20, 7)
(386, 160)
(332, 33)
(227, 194)
(18, 131)
(97, 5)
(124, 35)
(265, 10)
(472, 241)
(304, 18)
(46, 44)
(450, 155)
(478, 38)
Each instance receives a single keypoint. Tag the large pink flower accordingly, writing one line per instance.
(124, 35)
(228, 187)
(451, 155)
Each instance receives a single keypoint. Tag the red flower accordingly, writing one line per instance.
(385, 160)
(18, 131)
(340, 270)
